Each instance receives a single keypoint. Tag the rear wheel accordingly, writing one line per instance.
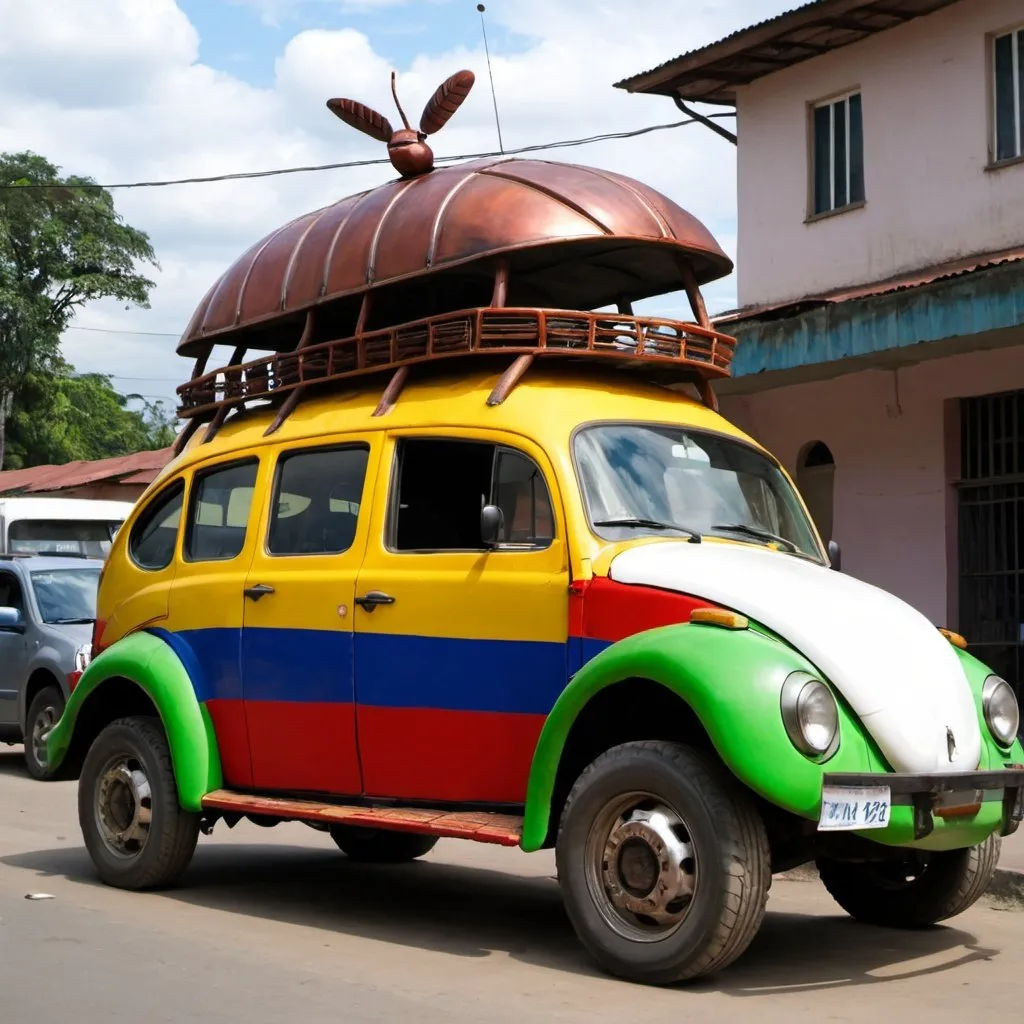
(134, 828)
(380, 846)
(43, 714)
(920, 890)
(663, 862)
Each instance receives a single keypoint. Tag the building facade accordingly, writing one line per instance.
(880, 277)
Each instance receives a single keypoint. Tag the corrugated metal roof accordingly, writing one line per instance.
(910, 279)
(711, 73)
(140, 467)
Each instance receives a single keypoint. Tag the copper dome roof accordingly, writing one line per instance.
(576, 238)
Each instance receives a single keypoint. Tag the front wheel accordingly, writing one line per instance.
(134, 828)
(920, 890)
(43, 713)
(663, 862)
(379, 846)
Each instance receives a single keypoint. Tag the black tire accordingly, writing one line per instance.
(730, 852)
(46, 708)
(380, 846)
(943, 885)
(106, 801)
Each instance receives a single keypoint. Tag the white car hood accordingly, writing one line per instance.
(895, 669)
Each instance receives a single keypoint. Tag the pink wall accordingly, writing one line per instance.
(927, 131)
(887, 432)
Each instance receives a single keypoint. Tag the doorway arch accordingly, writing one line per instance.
(815, 477)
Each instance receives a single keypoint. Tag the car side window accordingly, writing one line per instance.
(10, 592)
(317, 496)
(218, 514)
(519, 490)
(152, 540)
(443, 485)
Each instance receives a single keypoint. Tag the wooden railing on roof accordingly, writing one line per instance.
(697, 352)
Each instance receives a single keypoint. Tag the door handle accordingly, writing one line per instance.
(256, 592)
(370, 601)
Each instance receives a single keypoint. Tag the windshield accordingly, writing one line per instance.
(653, 480)
(66, 595)
(88, 537)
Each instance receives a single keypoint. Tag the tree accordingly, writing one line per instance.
(58, 416)
(62, 244)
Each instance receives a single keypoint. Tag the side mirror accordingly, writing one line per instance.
(492, 522)
(11, 621)
(835, 556)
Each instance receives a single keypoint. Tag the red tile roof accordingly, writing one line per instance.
(138, 468)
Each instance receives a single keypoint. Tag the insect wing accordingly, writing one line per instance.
(449, 97)
(363, 118)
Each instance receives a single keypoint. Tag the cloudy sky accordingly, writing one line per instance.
(129, 90)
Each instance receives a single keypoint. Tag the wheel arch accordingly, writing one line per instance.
(141, 675)
(40, 678)
(714, 687)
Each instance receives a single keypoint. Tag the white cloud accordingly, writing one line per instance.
(114, 89)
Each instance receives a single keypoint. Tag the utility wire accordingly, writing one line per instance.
(245, 175)
(111, 330)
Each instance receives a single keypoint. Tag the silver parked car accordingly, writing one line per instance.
(47, 610)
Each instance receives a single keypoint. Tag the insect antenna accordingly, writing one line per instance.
(401, 112)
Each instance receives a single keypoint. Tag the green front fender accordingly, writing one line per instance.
(732, 680)
(153, 666)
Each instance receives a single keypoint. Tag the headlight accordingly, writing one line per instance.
(1002, 715)
(810, 715)
(82, 657)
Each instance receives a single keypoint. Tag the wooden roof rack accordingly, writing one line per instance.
(681, 351)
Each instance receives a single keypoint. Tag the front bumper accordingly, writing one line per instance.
(945, 795)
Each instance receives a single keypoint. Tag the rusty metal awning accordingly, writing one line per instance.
(713, 73)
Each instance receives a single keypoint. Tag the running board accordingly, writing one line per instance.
(480, 826)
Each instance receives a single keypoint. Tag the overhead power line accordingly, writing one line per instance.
(245, 175)
(111, 330)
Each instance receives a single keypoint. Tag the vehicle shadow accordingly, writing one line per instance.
(471, 912)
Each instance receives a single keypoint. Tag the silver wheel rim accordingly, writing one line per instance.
(124, 806)
(641, 867)
(44, 722)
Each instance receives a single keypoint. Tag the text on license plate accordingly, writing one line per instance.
(845, 808)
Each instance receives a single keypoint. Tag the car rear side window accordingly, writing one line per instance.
(316, 501)
(219, 512)
(152, 540)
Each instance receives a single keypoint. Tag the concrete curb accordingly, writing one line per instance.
(1006, 891)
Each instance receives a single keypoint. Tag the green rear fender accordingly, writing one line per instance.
(150, 663)
(732, 680)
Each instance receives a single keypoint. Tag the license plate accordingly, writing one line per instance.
(847, 809)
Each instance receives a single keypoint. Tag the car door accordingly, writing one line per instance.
(460, 649)
(13, 650)
(297, 672)
(204, 620)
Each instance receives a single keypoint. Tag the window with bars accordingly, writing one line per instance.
(1008, 95)
(991, 532)
(837, 156)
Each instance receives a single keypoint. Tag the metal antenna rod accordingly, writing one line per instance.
(490, 74)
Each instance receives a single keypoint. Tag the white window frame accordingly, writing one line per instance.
(831, 104)
(1018, 113)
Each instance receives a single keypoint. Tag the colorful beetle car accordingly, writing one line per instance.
(524, 588)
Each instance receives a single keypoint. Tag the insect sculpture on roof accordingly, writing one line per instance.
(410, 155)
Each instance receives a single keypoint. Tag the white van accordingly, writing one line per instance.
(60, 526)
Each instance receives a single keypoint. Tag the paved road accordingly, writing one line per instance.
(273, 925)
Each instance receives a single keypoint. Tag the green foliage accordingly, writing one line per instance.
(58, 417)
(60, 247)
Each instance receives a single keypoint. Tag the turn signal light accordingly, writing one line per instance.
(719, 617)
(954, 638)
